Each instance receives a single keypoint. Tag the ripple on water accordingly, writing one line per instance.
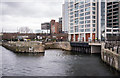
(54, 63)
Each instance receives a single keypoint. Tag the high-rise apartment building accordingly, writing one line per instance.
(60, 25)
(86, 20)
(65, 17)
(113, 19)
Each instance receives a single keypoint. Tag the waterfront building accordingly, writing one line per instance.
(65, 17)
(1, 36)
(113, 19)
(86, 20)
(60, 25)
(45, 26)
(56, 28)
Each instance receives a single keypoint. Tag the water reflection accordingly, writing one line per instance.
(30, 54)
(0, 61)
(54, 63)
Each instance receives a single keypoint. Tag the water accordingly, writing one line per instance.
(54, 63)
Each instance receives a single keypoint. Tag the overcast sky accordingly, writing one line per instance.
(18, 13)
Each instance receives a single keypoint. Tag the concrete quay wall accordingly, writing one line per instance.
(22, 47)
(35, 47)
(110, 57)
(58, 45)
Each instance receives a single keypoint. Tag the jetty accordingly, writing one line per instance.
(24, 47)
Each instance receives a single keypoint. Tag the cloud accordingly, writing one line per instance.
(32, 13)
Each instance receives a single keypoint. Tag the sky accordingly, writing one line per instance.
(31, 13)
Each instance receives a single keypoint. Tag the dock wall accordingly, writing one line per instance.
(23, 47)
(58, 45)
(111, 58)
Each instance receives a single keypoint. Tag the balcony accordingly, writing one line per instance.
(109, 17)
(115, 13)
(109, 11)
(115, 17)
(116, 21)
(116, 9)
(114, 3)
(109, 3)
(115, 24)
(109, 14)
(109, 7)
(114, 6)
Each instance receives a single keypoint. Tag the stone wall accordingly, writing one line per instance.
(58, 45)
(111, 58)
(34, 47)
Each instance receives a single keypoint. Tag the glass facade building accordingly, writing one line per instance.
(113, 19)
(83, 20)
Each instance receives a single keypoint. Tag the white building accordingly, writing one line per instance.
(86, 20)
(65, 17)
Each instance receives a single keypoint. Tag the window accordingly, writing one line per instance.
(108, 30)
(76, 28)
(93, 29)
(76, 6)
(81, 26)
(71, 23)
(81, 22)
(87, 9)
(87, 5)
(71, 27)
(93, 17)
(81, 18)
(87, 17)
(71, 31)
(82, 14)
(71, 2)
(71, 16)
(81, 2)
(71, 6)
(82, 6)
(76, 13)
(93, 12)
(93, 4)
(71, 9)
(87, 21)
(71, 20)
(81, 30)
(71, 13)
(93, 8)
(76, 21)
(93, 21)
(87, 30)
(88, 25)
(76, 0)
(115, 30)
(82, 10)
(87, 1)
(87, 13)
(93, 25)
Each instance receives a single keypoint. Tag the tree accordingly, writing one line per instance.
(25, 30)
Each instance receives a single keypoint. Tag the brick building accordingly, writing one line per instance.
(56, 27)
